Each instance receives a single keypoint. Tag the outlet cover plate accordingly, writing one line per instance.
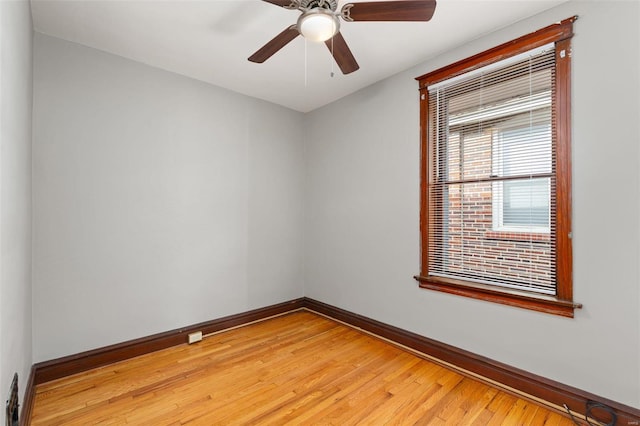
(195, 337)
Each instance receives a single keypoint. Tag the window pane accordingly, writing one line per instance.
(525, 150)
(526, 203)
(461, 248)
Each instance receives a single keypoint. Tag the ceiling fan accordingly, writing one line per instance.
(319, 22)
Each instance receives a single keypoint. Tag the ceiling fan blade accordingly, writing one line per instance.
(401, 10)
(342, 54)
(277, 43)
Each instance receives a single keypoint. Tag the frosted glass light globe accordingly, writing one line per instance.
(318, 25)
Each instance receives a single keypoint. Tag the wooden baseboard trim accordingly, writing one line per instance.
(72, 364)
(521, 381)
(27, 401)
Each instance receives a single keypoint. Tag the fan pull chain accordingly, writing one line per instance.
(332, 60)
(305, 62)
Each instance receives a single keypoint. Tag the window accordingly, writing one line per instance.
(496, 174)
(522, 205)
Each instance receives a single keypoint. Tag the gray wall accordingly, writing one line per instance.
(362, 226)
(16, 36)
(159, 201)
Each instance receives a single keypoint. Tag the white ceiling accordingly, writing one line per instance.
(210, 40)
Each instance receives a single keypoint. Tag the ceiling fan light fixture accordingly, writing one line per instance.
(318, 24)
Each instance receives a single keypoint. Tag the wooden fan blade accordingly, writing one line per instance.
(402, 10)
(342, 54)
(277, 43)
(282, 3)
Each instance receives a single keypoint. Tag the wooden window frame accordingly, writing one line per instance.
(562, 303)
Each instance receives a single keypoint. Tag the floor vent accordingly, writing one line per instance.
(12, 403)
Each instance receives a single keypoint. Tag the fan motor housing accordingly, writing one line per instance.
(322, 4)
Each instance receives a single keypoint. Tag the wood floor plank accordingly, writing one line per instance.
(299, 368)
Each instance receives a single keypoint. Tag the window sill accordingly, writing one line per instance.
(535, 237)
(505, 296)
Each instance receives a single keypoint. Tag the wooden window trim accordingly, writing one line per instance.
(562, 303)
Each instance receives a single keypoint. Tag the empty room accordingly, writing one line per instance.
(320, 212)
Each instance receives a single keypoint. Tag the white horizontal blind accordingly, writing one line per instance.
(492, 183)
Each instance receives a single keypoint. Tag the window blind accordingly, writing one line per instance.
(492, 177)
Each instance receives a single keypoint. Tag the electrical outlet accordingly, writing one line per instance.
(195, 337)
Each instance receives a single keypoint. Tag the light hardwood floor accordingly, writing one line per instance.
(300, 368)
